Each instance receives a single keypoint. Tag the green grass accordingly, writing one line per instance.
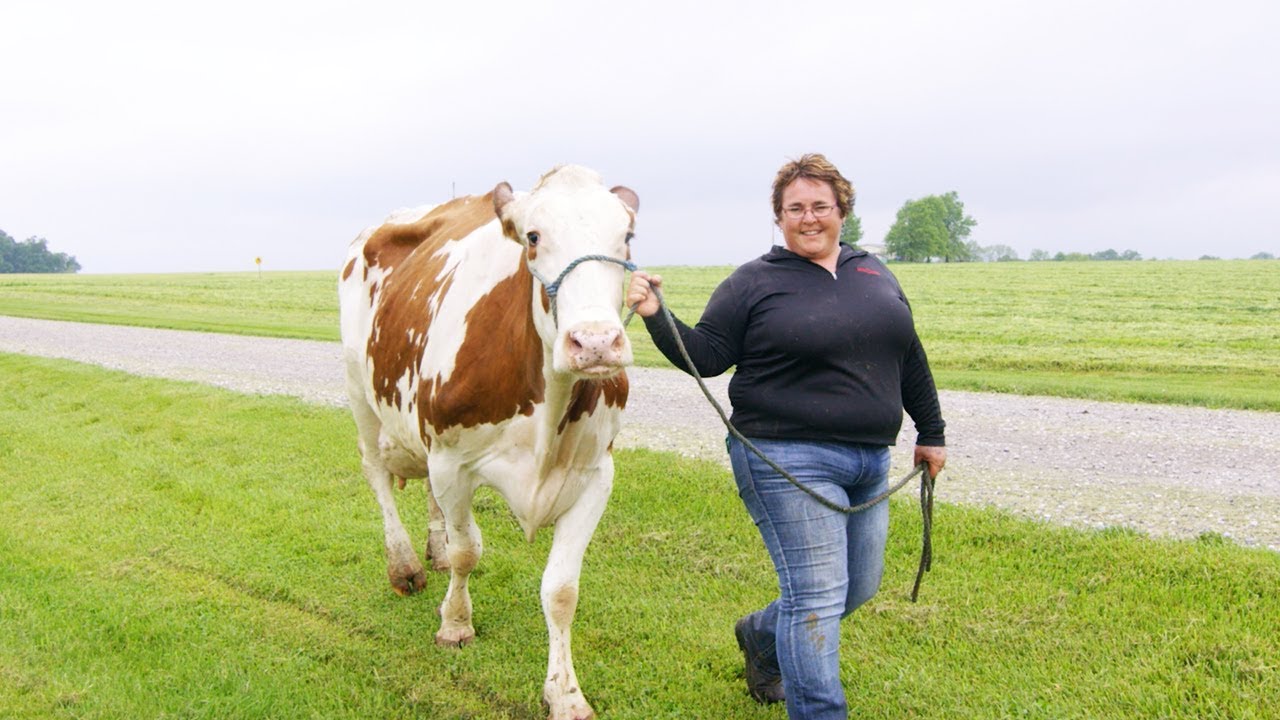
(173, 550)
(275, 304)
(1181, 332)
(1190, 332)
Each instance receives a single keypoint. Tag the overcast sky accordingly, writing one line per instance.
(171, 136)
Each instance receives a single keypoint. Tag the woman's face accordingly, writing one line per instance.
(810, 236)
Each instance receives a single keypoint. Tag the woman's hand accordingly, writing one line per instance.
(640, 295)
(935, 455)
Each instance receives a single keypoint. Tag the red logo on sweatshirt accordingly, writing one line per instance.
(868, 271)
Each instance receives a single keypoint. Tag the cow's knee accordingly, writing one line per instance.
(463, 560)
(562, 603)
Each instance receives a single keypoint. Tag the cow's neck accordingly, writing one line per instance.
(557, 447)
(559, 394)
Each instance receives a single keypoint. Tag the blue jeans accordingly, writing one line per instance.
(828, 563)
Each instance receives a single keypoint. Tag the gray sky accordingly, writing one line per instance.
(168, 136)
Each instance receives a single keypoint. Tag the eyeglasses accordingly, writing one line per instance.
(819, 210)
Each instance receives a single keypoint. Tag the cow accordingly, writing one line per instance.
(467, 366)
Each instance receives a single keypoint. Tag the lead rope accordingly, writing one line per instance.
(926, 482)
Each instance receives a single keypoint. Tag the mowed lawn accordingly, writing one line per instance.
(173, 550)
(1188, 332)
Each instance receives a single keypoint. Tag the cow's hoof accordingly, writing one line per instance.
(455, 636)
(572, 706)
(407, 581)
(578, 712)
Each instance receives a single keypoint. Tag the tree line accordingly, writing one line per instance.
(936, 228)
(33, 256)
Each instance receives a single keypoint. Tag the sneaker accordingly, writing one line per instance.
(763, 683)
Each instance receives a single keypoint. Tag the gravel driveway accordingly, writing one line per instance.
(1166, 470)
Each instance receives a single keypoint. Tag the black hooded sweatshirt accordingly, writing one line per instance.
(819, 357)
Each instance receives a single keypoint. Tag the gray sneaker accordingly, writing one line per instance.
(763, 683)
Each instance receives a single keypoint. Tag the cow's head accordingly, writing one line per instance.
(569, 215)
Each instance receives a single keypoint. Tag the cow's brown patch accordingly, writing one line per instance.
(392, 243)
(403, 313)
(351, 265)
(402, 319)
(586, 394)
(509, 230)
(498, 370)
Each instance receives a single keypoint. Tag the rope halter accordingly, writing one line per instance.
(553, 288)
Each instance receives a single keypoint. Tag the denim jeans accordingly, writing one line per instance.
(828, 563)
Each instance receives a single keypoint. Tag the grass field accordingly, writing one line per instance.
(1191, 332)
(173, 550)
(1186, 332)
(296, 304)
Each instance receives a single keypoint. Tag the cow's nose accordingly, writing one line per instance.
(595, 347)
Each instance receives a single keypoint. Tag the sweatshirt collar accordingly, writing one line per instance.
(780, 254)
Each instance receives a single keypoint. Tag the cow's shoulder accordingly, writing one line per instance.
(498, 370)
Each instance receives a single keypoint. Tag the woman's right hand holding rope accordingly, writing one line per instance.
(640, 294)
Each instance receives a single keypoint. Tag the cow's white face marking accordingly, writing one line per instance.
(567, 216)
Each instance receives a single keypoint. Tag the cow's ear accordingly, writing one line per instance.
(502, 195)
(627, 195)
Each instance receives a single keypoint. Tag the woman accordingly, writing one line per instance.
(827, 357)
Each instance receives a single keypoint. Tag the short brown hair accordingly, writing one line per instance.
(815, 167)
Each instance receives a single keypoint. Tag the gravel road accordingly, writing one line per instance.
(1165, 470)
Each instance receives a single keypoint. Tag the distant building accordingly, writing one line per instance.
(877, 249)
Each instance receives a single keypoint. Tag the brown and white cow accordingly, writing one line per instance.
(462, 369)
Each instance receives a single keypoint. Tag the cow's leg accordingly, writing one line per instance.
(436, 535)
(454, 493)
(404, 570)
(560, 597)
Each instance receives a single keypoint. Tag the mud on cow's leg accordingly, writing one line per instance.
(463, 551)
(561, 692)
(404, 570)
(436, 535)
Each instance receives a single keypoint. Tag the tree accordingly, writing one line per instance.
(995, 253)
(851, 230)
(958, 227)
(32, 256)
(1262, 256)
(1039, 255)
(919, 233)
(6, 251)
(933, 226)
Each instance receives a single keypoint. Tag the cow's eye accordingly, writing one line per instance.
(629, 236)
(533, 238)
